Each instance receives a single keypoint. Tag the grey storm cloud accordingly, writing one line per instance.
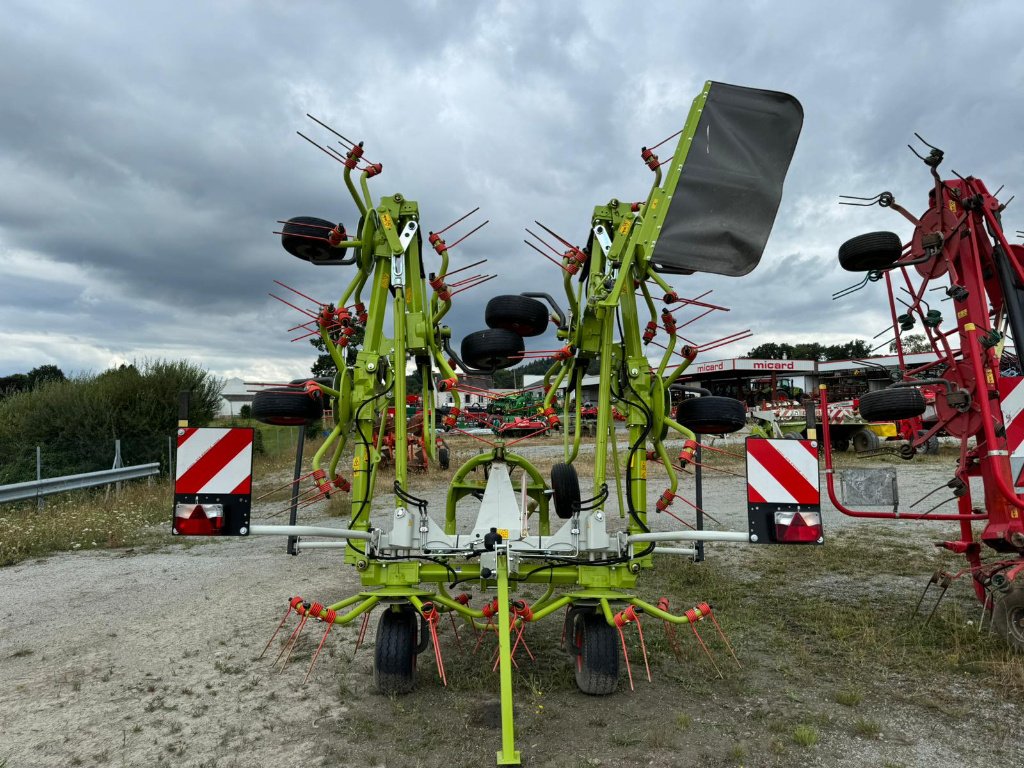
(147, 151)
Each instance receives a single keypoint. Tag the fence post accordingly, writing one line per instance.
(39, 475)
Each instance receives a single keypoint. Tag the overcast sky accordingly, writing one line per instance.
(146, 150)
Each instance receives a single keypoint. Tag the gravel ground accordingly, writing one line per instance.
(133, 657)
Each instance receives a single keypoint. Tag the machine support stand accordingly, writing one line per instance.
(508, 755)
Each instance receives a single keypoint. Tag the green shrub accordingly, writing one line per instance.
(76, 421)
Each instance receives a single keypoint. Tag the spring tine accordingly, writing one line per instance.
(643, 648)
(625, 655)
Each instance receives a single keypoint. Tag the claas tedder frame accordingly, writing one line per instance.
(710, 209)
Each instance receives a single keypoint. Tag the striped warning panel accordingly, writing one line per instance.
(212, 460)
(782, 472)
(1011, 394)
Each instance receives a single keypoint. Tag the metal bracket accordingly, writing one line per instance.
(601, 235)
(398, 260)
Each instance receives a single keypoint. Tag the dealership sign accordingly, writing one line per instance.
(751, 364)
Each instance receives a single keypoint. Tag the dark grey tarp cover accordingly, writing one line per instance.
(730, 186)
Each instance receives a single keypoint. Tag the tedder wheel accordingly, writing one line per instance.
(519, 314)
(711, 415)
(443, 457)
(492, 349)
(597, 654)
(296, 234)
(286, 407)
(394, 655)
(1008, 618)
(875, 250)
(840, 444)
(892, 404)
(565, 487)
(865, 440)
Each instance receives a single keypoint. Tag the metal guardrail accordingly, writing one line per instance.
(50, 485)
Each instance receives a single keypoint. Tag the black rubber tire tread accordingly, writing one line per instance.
(394, 653)
(865, 440)
(519, 314)
(565, 487)
(492, 349)
(597, 673)
(874, 250)
(443, 457)
(711, 415)
(892, 404)
(286, 407)
(1008, 618)
(295, 239)
(840, 444)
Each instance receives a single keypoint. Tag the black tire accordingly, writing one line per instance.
(597, 648)
(1008, 618)
(492, 349)
(443, 457)
(296, 234)
(286, 407)
(519, 314)
(931, 448)
(865, 440)
(565, 487)
(892, 404)
(394, 654)
(840, 444)
(875, 250)
(711, 415)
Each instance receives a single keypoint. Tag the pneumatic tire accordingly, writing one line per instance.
(305, 237)
(874, 250)
(597, 654)
(711, 415)
(394, 653)
(492, 349)
(565, 487)
(519, 314)
(892, 404)
(287, 407)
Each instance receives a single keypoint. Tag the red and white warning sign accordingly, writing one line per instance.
(782, 472)
(1011, 393)
(213, 461)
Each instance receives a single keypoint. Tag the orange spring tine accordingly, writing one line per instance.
(702, 645)
(362, 631)
(317, 653)
(724, 638)
(287, 613)
(437, 650)
(625, 654)
(643, 648)
(455, 629)
(292, 642)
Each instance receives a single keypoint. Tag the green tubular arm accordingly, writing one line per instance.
(363, 607)
(542, 601)
(536, 490)
(606, 610)
(551, 372)
(673, 479)
(446, 370)
(673, 424)
(440, 313)
(577, 434)
(322, 450)
(540, 610)
(670, 348)
(356, 286)
(659, 280)
(649, 301)
(570, 297)
(618, 473)
(459, 488)
(332, 349)
(352, 191)
(660, 614)
(332, 469)
(553, 391)
(447, 602)
(677, 373)
(366, 190)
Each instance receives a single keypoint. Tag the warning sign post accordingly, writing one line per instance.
(783, 491)
(213, 482)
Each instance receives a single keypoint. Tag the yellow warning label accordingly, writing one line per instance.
(952, 205)
(357, 464)
(385, 220)
(961, 314)
(989, 377)
(654, 204)
(970, 327)
(503, 532)
(1014, 513)
(624, 227)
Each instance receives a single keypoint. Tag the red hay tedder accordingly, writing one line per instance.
(959, 249)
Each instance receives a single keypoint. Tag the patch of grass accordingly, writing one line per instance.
(848, 697)
(866, 727)
(805, 735)
(683, 720)
(85, 520)
(738, 753)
